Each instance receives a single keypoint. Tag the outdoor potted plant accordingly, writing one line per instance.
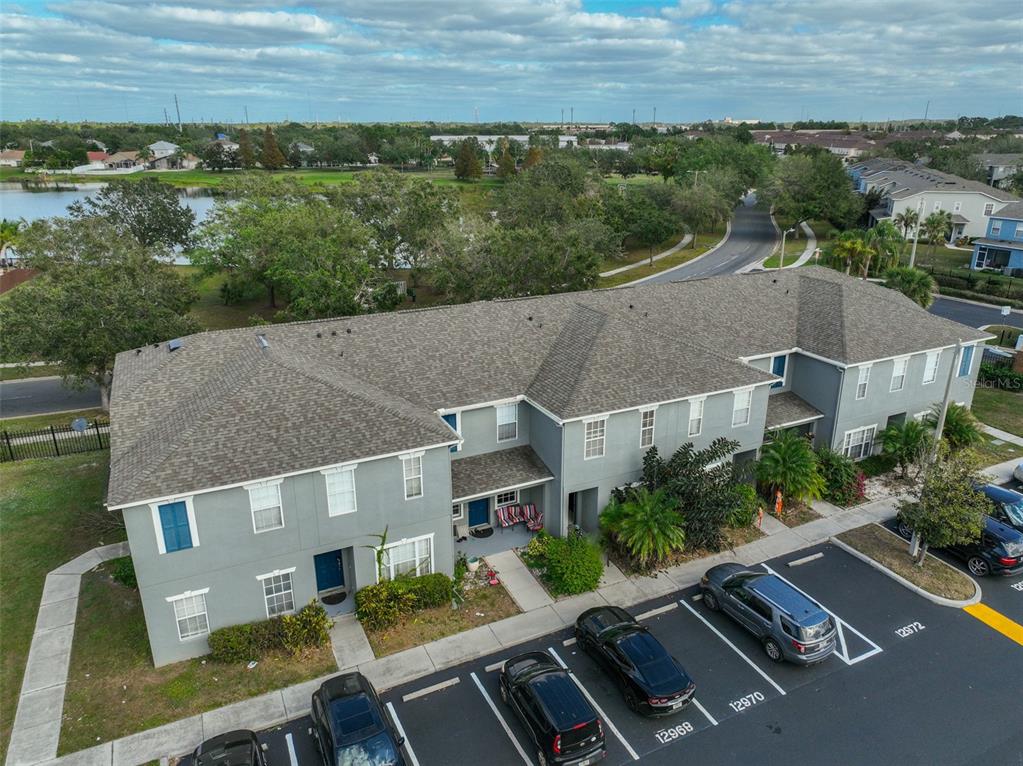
(473, 563)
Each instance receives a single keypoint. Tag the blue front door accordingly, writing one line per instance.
(329, 573)
(479, 512)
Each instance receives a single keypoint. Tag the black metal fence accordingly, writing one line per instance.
(53, 441)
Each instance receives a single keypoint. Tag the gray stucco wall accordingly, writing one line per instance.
(479, 429)
(817, 383)
(230, 555)
(765, 364)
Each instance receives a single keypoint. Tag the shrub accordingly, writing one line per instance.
(646, 526)
(839, 474)
(1002, 377)
(961, 427)
(429, 590)
(123, 571)
(232, 644)
(309, 627)
(747, 503)
(788, 463)
(535, 553)
(574, 565)
(875, 465)
(382, 605)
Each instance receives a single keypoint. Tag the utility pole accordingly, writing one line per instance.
(166, 118)
(246, 115)
(633, 116)
(655, 118)
(916, 233)
(177, 108)
(945, 401)
(571, 119)
(927, 109)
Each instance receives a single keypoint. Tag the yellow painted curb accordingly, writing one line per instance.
(996, 620)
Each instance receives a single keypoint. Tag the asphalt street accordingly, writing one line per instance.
(973, 315)
(914, 683)
(753, 237)
(36, 396)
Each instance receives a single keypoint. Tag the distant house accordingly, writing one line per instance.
(12, 158)
(97, 158)
(174, 162)
(123, 159)
(163, 149)
(999, 167)
(303, 147)
(1001, 247)
(226, 143)
(848, 146)
(373, 159)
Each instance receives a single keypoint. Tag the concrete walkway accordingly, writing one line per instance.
(806, 255)
(1005, 436)
(525, 591)
(348, 641)
(36, 728)
(646, 261)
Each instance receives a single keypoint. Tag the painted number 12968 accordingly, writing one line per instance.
(665, 736)
(746, 701)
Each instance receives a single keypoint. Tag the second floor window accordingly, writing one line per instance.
(741, 407)
(989, 208)
(341, 491)
(899, 374)
(646, 427)
(966, 362)
(593, 443)
(412, 467)
(696, 417)
(862, 381)
(996, 228)
(175, 528)
(931, 366)
(507, 422)
(267, 512)
(778, 368)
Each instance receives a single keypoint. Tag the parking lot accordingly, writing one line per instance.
(911, 682)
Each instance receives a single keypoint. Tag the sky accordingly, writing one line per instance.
(526, 60)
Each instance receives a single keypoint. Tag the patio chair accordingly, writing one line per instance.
(503, 519)
(461, 532)
(534, 518)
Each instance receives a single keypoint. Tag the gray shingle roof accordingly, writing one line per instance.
(910, 179)
(221, 410)
(492, 471)
(1013, 210)
(786, 409)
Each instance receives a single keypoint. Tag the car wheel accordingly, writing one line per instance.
(541, 758)
(978, 567)
(773, 650)
(904, 530)
(504, 694)
(711, 601)
(631, 701)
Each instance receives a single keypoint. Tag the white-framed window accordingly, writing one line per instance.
(646, 427)
(413, 557)
(778, 364)
(899, 374)
(190, 613)
(696, 416)
(859, 442)
(412, 469)
(457, 512)
(507, 422)
(921, 415)
(989, 208)
(937, 206)
(593, 441)
(502, 499)
(966, 362)
(862, 381)
(340, 490)
(996, 227)
(957, 206)
(278, 592)
(931, 366)
(741, 404)
(265, 503)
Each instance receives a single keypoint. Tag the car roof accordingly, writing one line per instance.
(799, 607)
(1002, 494)
(1003, 532)
(345, 685)
(561, 699)
(529, 662)
(606, 617)
(354, 718)
(233, 748)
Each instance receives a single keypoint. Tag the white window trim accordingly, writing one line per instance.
(921, 415)
(862, 380)
(406, 461)
(689, 424)
(905, 372)
(406, 540)
(193, 529)
(855, 430)
(748, 408)
(189, 594)
(514, 501)
(277, 573)
(461, 511)
(936, 355)
(355, 499)
(280, 500)
(783, 381)
(962, 357)
(603, 439)
(653, 427)
(497, 421)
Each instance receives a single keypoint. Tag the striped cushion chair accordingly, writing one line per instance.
(534, 518)
(502, 517)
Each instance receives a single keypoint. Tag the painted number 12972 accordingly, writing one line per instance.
(908, 630)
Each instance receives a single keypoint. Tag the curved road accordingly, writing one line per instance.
(36, 396)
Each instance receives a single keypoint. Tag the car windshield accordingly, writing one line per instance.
(378, 750)
(813, 632)
(1015, 512)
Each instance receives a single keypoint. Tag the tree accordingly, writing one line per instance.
(788, 464)
(147, 209)
(949, 510)
(888, 245)
(627, 165)
(850, 250)
(533, 157)
(906, 220)
(648, 225)
(936, 227)
(506, 165)
(295, 157)
(214, 157)
(99, 292)
(645, 525)
(467, 162)
(144, 155)
(271, 157)
(804, 187)
(8, 236)
(702, 208)
(961, 428)
(246, 154)
(915, 284)
(909, 443)
(550, 192)
(665, 157)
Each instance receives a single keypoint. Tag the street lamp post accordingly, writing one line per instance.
(784, 234)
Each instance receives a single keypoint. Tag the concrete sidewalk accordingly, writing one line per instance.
(1005, 436)
(646, 261)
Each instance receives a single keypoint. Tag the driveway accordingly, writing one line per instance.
(753, 237)
(37, 396)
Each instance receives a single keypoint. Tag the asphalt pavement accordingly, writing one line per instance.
(913, 683)
(37, 396)
(972, 314)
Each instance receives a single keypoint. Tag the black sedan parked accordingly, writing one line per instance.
(349, 724)
(654, 683)
(560, 721)
(235, 748)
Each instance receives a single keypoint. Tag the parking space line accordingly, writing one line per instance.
(703, 710)
(401, 733)
(840, 624)
(657, 611)
(734, 648)
(494, 666)
(996, 620)
(429, 689)
(500, 720)
(291, 749)
(601, 713)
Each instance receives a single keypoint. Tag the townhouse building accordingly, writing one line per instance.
(907, 187)
(257, 468)
(1001, 247)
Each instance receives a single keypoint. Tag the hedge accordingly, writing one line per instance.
(383, 605)
(982, 297)
(255, 640)
(1002, 377)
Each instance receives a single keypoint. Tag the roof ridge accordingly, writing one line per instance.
(570, 348)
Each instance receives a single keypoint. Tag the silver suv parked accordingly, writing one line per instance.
(789, 625)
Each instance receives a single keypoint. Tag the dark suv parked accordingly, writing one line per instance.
(235, 748)
(1006, 505)
(349, 724)
(790, 626)
(999, 551)
(562, 724)
(654, 683)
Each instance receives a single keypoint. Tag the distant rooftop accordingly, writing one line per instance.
(900, 179)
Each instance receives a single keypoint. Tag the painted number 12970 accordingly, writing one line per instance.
(665, 736)
(747, 701)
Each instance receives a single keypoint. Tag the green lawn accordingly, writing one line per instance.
(35, 371)
(48, 514)
(633, 254)
(999, 408)
(1006, 335)
(989, 453)
(210, 310)
(942, 257)
(32, 422)
(703, 243)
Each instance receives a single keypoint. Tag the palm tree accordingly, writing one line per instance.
(961, 427)
(937, 226)
(646, 524)
(852, 250)
(915, 284)
(907, 221)
(144, 154)
(908, 443)
(788, 464)
(8, 235)
(888, 245)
